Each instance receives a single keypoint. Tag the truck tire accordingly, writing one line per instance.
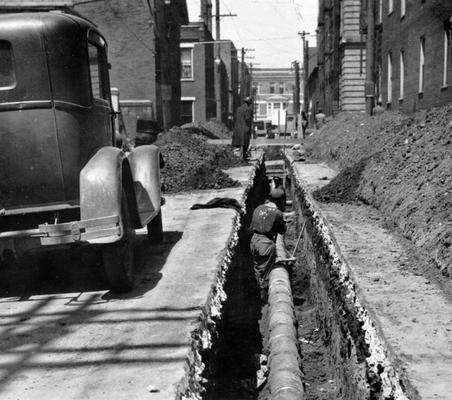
(119, 257)
(155, 229)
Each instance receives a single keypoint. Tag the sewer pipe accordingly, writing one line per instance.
(285, 376)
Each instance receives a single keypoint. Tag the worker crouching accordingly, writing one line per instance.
(266, 224)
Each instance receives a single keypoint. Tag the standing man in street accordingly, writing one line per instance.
(266, 224)
(242, 128)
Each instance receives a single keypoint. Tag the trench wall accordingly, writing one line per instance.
(358, 355)
(206, 334)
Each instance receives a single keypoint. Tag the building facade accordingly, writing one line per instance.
(340, 58)
(273, 90)
(413, 53)
(228, 55)
(410, 55)
(197, 78)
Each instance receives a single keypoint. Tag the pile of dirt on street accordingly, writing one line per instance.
(191, 163)
(213, 129)
(400, 164)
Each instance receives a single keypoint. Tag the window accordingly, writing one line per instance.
(272, 87)
(389, 78)
(402, 8)
(186, 56)
(390, 6)
(277, 106)
(186, 111)
(7, 74)
(97, 73)
(421, 64)
(262, 109)
(446, 57)
(281, 87)
(402, 75)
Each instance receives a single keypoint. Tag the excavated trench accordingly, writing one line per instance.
(338, 351)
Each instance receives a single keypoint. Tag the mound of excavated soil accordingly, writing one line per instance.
(191, 163)
(400, 164)
(213, 129)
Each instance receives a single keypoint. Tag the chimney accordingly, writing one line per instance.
(206, 13)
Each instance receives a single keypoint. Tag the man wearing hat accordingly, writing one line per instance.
(147, 131)
(266, 224)
(278, 193)
(242, 128)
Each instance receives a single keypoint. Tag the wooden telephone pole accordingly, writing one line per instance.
(218, 97)
(305, 70)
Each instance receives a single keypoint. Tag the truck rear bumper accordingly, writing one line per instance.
(95, 231)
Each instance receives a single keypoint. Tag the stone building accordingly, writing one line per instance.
(340, 58)
(413, 53)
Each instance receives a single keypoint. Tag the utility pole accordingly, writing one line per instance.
(243, 82)
(217, 71)
(305, 70)
(218, 63)
(296, 94)
(242, 76)
(370, 40)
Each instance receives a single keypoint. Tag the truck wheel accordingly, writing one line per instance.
(119, 257)
(155, 229)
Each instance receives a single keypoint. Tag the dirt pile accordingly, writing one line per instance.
(400, 164)
(213, 129)
(191, 163)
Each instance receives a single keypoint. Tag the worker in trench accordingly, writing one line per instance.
(266, 224)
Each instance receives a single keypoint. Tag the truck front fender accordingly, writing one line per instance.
(144, 164)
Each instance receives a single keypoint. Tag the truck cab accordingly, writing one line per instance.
(62, 180)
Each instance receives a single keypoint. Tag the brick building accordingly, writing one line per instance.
(197, 78)
(413, 53)
(228, 55)
(143, 39)
(273, 88)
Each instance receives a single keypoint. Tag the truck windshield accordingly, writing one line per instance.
(7, 74)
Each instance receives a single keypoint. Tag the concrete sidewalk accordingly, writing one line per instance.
(412, 314)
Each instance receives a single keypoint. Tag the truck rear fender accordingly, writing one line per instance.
(145, 167)
(101, 183)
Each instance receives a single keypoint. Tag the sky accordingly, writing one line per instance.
(270, 27)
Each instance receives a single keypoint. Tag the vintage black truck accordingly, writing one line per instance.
(62, 179)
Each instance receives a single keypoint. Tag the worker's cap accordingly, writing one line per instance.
(275, 194)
